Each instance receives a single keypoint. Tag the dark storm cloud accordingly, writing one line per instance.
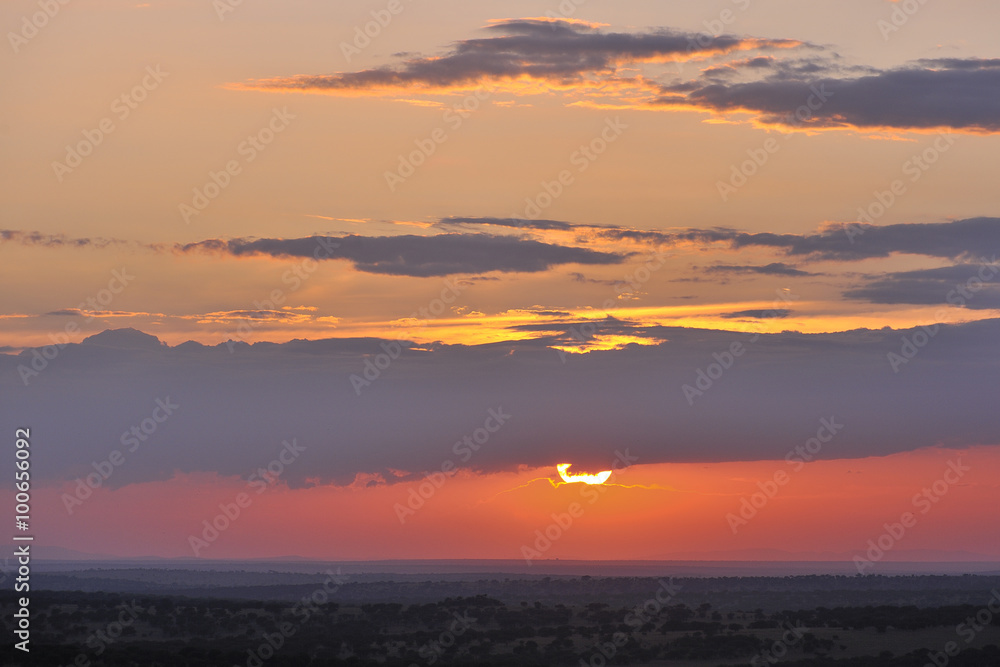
(558, 51)
(235, 408)
(971, 285)
(418, 256)
(962, 94)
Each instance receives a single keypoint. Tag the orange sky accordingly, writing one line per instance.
(825, 509)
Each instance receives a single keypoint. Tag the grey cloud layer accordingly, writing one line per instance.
(969, 285)
(235, 409)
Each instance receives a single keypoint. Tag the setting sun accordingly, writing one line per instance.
(599, 478)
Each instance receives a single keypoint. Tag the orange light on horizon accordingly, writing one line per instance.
(599, 478)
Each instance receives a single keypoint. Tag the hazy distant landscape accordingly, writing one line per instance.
(312, 614)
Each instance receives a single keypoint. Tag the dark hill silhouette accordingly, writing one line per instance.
(128, 339)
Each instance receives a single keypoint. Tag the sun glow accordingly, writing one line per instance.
(599, 478)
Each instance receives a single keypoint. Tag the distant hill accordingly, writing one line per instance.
(778, 555)
(126, 339)
(61, 553)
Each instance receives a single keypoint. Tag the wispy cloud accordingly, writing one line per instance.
(33, 238)
(561, 53)
(773, 269)
(811, 88)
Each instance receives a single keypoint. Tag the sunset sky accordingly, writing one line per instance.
(415, 250)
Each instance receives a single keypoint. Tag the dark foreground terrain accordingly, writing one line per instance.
(311, 620)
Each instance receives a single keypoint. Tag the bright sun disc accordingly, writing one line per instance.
(599, 478)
